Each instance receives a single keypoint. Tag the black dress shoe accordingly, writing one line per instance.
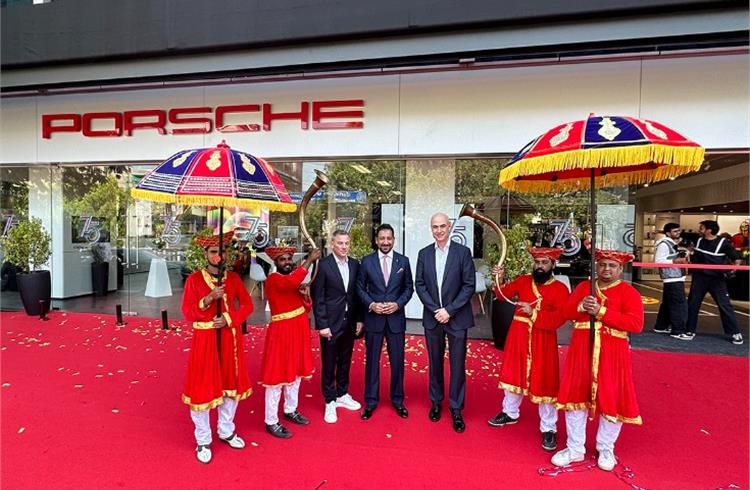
(435, 412)
(549, 441)
(501, 419)
(296, 417)
(458, 421)
(367, 412)
(278, 430)
(401, 411)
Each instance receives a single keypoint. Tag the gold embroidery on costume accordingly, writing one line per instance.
(608, 129)
(289, 314)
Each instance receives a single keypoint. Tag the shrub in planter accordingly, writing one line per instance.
(27, 246)
(99, 269)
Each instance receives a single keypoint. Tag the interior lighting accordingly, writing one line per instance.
(361, 168)
(384, 183)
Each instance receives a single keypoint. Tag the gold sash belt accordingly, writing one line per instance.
(289, 314)
(604, 329)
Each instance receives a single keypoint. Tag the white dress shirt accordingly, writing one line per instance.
(441, 258)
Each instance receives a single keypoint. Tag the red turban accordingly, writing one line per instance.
(542, 252)
(213, 240)
(276, 252)
(621, 257)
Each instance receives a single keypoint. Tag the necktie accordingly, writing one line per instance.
(386, 274)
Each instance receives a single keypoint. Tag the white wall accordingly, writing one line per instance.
(453, 113)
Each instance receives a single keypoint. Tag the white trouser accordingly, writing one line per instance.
(273, 396)
(606, 434)
(547, 412)
(203, 425)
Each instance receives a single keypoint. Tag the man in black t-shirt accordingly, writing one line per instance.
(711, 250)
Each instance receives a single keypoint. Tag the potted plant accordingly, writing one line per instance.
(99, 269)
(27, 246)
(518, 261)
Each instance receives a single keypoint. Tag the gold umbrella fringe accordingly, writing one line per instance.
(675, 161)
(204, 200)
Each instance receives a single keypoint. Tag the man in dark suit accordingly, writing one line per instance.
(338, 319)
(385, 286)
(445, 283)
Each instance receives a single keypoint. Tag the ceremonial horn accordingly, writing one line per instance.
(471, 212)
(321, 179)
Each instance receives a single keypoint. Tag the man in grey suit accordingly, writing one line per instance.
(385, 286)
(445, 282)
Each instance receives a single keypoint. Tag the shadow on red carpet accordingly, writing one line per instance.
(88, 404)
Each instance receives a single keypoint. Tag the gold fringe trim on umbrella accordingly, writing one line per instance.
(208, 200)
(674, 161)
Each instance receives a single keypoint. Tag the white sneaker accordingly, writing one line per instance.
(234, 441)
(565, 457)
(330, 415)
(606, 460)
(737, 339)
(347, 402)
(203, 453)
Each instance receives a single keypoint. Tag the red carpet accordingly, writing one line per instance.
(88, 405)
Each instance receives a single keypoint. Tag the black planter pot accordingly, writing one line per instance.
(35, 287)
(501, 317)
(99, 278)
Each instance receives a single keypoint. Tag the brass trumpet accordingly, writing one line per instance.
(471, 212)
(321, 180)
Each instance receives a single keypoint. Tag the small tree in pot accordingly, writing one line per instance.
(27, 246)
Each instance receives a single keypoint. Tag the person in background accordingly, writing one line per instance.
(673, 308)
(711, 250)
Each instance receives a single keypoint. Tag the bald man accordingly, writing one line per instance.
(445, 283)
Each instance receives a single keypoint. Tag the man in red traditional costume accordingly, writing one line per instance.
(216, 376)
(287, 356)
(600, 379)
(530, 363)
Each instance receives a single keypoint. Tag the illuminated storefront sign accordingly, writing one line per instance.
(316, 115)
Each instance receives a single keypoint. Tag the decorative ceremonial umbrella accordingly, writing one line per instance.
(600, 151)
(216, 176)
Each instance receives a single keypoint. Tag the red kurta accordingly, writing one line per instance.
(207, 381)
(536, 375)
(287, 353)
(612, 387)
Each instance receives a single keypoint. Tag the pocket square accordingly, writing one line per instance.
(400, 271)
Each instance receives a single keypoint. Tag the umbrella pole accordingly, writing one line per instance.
(221, 275)
(592, 319)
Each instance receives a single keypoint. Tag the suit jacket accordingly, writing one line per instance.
(372, 289)
(331, 299)
(457, 288)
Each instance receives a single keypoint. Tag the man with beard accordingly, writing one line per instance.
(384, 285)
(287, 355)
(445, 283)
(217, 376)
(599, 378)
(530, 363)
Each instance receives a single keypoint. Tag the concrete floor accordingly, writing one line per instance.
(710, 338)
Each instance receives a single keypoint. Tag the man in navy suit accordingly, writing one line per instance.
(385, 286)
(445, 283)
(338, 319)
